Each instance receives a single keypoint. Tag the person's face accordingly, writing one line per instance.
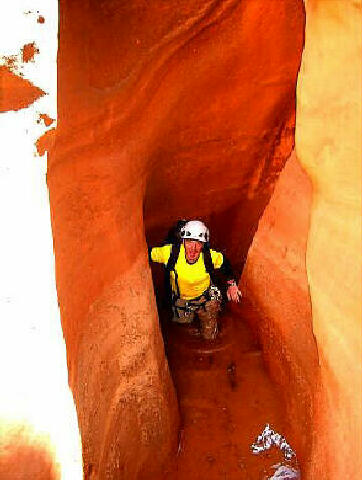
(192, 250)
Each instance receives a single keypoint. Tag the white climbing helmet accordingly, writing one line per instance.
(195, 230)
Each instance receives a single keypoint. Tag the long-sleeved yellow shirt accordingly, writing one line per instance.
(192, 279)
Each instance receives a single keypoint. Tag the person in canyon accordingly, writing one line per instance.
(190, 263)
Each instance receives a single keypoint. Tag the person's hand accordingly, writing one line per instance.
(233, 293)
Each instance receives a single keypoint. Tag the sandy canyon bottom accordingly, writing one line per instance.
(226, 397)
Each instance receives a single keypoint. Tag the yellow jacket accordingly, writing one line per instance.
(192, 279)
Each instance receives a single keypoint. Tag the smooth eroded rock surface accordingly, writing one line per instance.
(166, 110)
(328, 140)
(172, 109)
(16, 92)
(275, 282)
(308, 245)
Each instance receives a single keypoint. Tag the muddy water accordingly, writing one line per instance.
(226, 398)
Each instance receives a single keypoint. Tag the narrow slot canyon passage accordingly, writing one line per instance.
(225, 391)
(179, 109)
(225, 397)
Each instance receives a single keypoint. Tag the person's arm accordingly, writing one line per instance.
(233, 293)
(220, 261)
(159, 254)
(226, 269)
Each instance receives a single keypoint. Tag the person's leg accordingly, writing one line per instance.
(208, 316)
(180, 314)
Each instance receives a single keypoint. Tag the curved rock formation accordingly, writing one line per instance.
(171, 109)
(39, 435)
(328, 140)
(192, 103)
(308, 242)
(16, 92)
(23, 455)
(275, 283)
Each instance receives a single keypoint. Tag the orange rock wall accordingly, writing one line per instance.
(275, 282)
(16, 92)
(177, 106)
(166, 110)
(24, 455)
(303, 268)
(118, 372)
(328, 140)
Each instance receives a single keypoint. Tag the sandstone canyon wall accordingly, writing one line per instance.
(275, 282)
(39, 435)
(328, 140)
(308, 244)
(162, 107)
(172, 109)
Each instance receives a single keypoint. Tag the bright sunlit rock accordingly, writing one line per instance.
(36, 405)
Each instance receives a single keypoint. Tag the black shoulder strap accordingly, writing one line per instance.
(172, 259)
(175, 252)
(208, 261)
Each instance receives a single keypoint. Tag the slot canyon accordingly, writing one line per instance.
(245, 114)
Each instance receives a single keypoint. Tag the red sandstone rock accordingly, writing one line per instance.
(275, 283)
(28, 52)
(328, 139)
(192, 109)
(46, 119)
(46, 142)
(16, 92)
(329, 148)
(25, 457)
(166, 110)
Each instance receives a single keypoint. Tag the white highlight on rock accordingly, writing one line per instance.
(33, 371)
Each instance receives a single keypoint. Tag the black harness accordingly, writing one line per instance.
(170, 267)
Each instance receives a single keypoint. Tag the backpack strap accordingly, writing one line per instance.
(174, 254)
(208, 262)
(172, 259)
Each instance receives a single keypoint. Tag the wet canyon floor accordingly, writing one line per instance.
(225, 397)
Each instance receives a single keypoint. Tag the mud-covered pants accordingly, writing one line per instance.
(207, 310)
